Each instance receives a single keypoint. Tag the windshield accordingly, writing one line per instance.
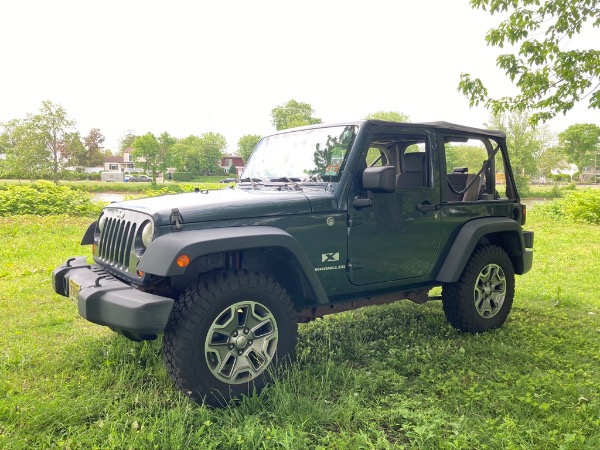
(317, 154)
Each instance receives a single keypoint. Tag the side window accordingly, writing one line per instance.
(413, 155)
(408, 153)
(377, 156)
(471, 173)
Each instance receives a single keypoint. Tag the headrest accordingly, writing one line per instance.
(413, 162)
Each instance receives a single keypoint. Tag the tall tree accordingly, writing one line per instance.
(146, 149)
(550, 75)
(391, 116)
(524, 141)
(246, 145)
(580, 143)
(293, 114)
(165, 156)
(212, 150)
(56, 131)
(93, 143)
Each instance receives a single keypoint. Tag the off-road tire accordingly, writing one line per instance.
(483, 295)
(210, 353)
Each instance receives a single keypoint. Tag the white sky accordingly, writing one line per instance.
(189, 67)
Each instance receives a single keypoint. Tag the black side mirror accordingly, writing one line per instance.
(379, 179)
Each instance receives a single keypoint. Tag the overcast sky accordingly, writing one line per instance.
(190, 67)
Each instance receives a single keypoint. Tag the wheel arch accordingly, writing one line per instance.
(503, 232)
(262, 249)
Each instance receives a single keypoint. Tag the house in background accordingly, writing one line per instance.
(123, 163)
(232, 160)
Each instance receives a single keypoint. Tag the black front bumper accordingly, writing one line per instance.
(105, 300)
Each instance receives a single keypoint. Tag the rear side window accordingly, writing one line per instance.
(475, 170)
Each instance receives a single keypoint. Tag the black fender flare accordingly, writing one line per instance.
(88, 237)
(468, 237)
(161, 256)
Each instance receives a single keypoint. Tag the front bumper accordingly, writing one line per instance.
(104, 300)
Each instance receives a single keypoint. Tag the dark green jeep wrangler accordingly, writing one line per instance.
(325, 218)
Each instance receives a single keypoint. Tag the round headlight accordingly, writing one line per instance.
(101, 223)
(148, 234)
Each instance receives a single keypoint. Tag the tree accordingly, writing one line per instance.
(93, 144)
(55, 131)
(213, 146)
(246, 145)
(199, 155)
(293, 114)
(165, 156)
(550, 76)
(26, 154)
(126, 140)
(391, 116)
(42, 143)
(73, 150)
(146, 149)
(184, 154)
(524, 141)
(580, 143)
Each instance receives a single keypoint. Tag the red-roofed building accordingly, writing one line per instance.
(232, 160)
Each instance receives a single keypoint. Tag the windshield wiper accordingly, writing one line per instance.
(292, 181)
(255, 181)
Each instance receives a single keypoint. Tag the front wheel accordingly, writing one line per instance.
(227, 334)
(483, 295)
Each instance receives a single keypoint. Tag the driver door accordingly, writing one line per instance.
(397, 237)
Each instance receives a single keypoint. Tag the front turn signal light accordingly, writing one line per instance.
(183, 260)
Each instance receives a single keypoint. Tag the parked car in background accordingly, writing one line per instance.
(138, 178)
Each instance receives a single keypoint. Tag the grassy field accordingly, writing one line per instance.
(395, 376)
(94, 187)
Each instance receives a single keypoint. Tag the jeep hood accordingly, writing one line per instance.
(227, 204)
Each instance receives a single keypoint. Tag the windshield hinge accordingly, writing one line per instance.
(176, 220)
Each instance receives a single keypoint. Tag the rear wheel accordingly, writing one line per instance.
(482, 297)
(227, 334)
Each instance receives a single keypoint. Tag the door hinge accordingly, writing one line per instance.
(355, 264)
(355, 220)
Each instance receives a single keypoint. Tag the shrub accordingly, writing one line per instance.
(44, 198)
(581, 206)
(182, 176)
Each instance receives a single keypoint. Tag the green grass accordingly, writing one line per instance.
(394, 376)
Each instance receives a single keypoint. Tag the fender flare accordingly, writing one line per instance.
(160, 257)
(468, 237)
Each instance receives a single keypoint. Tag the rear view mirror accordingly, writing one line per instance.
(379, 179)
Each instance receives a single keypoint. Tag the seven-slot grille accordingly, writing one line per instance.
(116, 241)
(115, 245)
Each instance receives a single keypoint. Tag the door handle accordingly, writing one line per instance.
(428, 207)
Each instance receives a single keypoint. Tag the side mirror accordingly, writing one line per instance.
(379, 179)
